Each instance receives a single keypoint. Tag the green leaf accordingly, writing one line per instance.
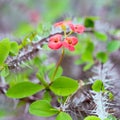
(113, 46)
(110, 95)
(50, 66)
(89, 22)
(47, 96)
(90, 46)
(98, 86)
(79, 48)
(88, 66)
(42, 80)
(101, 36)
(63, 116)
(102, 57)
(62, 100)
(42, 108)
(111, 117)
(64, 86)
(58, 74)
(5, 71)
(4, 50)
(23, 89)
(31, 36)
(92, 118)
(87, 56)
(14, 48)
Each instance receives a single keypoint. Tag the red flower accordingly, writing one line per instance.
(63, 24)
(70, 42)
(55, 42)
(77, 28)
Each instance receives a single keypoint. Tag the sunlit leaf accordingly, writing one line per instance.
(14, 48)
(64, 86)
(63, 116)
(98, 86)
(102, 57)
(42, 108)
(47, 96)
(92, 118)
(23, 89)
(5, 71)
(101, 36)
(113, 46)
(4, 50)
(110, 95)
(88, 66)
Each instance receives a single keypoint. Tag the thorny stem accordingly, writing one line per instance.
(58, 64)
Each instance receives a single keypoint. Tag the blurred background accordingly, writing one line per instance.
(18, 17)
(14, 13)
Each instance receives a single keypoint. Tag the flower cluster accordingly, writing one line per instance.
(57, 41)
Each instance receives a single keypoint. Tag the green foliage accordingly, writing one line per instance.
(5, 71)
(92, 118)
(28, 39)
(86, 49)
(88, 66)
(42, 108)
(64, 86)
(63, 116)
(2, 112)
(58, 74)
(56, 8)
(113, 46)
(44, 29)
(87, 56)
(100, 36)
(14, 48)
(23, 29)
(23, 89)
(111, 117)
(102, 57)
(42, 80)
(4, 50)
(61, 87)
(80, 47)
(47, 96)
(98, 86)
(110, 95)
(89, 22)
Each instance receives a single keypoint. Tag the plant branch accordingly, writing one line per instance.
(58, 64)
(36, 47)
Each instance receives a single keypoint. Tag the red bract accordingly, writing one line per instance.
(70, 42)
(77, 28)
(55, 42)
